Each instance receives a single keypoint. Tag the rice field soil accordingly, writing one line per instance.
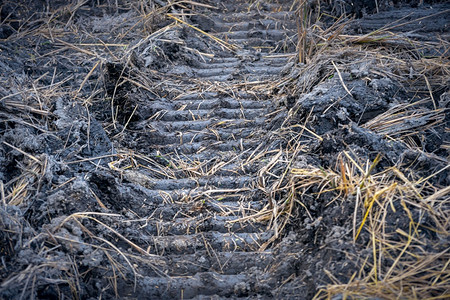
(224, 149)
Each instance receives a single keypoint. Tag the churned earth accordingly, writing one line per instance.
(224, 149)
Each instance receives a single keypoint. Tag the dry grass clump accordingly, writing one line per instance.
(406, 263)
(401, 262)
(382, 52)
(404, 122)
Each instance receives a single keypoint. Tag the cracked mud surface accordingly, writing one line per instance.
(174, 163)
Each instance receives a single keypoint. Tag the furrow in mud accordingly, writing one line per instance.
(186, 225)
(202, 114)
(186, 183)
(223, 262)
(217, 241)
(197, 286)
(223, 202)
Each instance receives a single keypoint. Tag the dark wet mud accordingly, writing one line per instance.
(146, 159)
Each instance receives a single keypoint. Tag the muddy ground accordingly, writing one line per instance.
(141, 157)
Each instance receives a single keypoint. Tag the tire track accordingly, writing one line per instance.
(200, 228)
